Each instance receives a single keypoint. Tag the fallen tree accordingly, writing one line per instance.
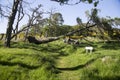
(32, 39)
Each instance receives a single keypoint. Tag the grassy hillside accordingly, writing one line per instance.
(60, 61)
(102, 64)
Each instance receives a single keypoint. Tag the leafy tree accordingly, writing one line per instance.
(57, 19)
(53, 24)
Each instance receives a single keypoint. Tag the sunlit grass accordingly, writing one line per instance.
(60, 61)
(23, 62)
(85, 66)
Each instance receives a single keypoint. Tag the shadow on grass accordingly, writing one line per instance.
(104, 78)
(46, 61)
(87, 44)
(5, 63)
(110, 78)
(79, 66)
(112, 45)
(51, 48)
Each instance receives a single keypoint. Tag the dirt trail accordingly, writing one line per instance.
(66, 74)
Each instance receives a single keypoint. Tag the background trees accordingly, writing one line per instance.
(51, 26)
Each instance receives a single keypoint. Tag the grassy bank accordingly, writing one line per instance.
(26, 62)
(60, 61)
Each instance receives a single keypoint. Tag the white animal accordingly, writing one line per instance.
(89, 49)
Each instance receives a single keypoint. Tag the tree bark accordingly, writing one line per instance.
(35, 41)
(11, 22)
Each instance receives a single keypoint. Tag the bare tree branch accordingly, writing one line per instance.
(70, 33)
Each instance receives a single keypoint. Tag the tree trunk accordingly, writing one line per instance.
(26, 33)
(2, 36)
(34, 40)
(11, 22)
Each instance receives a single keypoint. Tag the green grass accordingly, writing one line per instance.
(60, 61)
(82, 66)
(23, 62)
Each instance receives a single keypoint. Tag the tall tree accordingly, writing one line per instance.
(11, 22)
